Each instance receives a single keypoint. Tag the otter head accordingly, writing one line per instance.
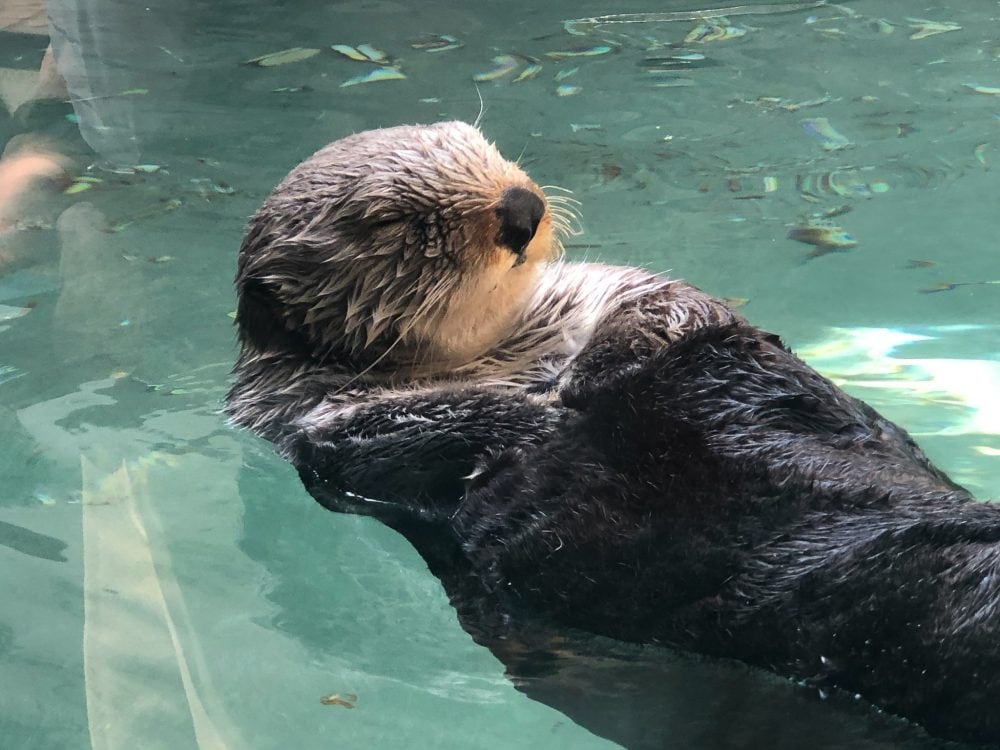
(408, 246)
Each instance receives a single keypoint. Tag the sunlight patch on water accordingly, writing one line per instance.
(872, 359)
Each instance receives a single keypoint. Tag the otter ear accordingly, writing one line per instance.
(257, 320)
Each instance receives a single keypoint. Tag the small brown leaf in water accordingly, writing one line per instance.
(345, 700)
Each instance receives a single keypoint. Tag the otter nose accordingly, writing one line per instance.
(520, 210)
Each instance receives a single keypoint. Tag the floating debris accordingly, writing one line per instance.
(377, 74)
(345, 700)
(503, 65)
(565, 73)
(980, 89)
(350, 52)
(687, 61)
(157, 209)
(610, 171)
(362, 53)
(595, 51)
(824, 237)
(912, 264)
(925, 28)
(82, 183)
(707, 31)
(836, 211)
(283, 57)
(820, 129)
(42, 496)
(9, 312)
(980, 153)
(530, 71)
(770, 184)
(883, 27)
(776, 102)
(8, 373)
(576, 127)
(207, 186)
(948, 286)
(574, 26)
(845, 183)
(437, 43)
(673, 82)
(375, 55)
(567, 90)
(78, 187)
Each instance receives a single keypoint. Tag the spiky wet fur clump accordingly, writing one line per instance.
(598, 447)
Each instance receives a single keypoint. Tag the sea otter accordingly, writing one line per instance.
(596, 447)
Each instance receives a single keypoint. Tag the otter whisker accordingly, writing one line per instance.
(556, 187)
(482, 107)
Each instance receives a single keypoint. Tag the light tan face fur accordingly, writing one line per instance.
(493, 290)
(382, 251)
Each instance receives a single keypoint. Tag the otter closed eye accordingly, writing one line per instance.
(520, 211)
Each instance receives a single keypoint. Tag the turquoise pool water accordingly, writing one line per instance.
(168, 583)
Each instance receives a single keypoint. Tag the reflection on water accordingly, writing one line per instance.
(175, 587)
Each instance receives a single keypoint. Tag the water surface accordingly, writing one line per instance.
(170, 584)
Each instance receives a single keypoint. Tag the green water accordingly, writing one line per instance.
(167, 582)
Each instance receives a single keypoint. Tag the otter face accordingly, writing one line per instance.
(413, 245)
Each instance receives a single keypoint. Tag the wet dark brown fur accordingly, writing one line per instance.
(620, 454)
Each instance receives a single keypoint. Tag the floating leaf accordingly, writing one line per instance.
(714, 32)
(345, 700)
(78, 186)
(9, 312)
(595, 51)
(348, 51)
(980, 153)
(823, 236)
(980, 89)
(283, 57)
(502, 65)
(821, 130)
(942, 287)
(437, 43)
(378, 74)
(532, 70)
(924, 28)
(361, 53)
(375, 55)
